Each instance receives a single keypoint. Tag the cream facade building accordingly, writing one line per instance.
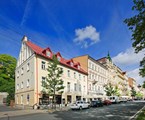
(31, 71)
(97, 76)
(116, 76)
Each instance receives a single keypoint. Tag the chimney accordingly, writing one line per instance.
(24, 39)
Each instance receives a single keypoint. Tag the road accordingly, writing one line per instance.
(121, 111)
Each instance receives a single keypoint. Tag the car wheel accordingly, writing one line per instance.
(80, 108)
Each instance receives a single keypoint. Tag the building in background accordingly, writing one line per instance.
(31, 70)
(97, 76)
(3, 97)
(116, 76)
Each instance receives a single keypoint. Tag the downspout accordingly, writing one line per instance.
(36, 78)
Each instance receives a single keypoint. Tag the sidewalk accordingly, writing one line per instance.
(31, 111)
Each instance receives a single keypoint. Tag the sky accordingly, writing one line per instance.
(72, 27)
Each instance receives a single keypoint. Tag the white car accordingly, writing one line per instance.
(114, 99)
(80, 105)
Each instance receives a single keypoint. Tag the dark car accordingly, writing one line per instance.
(107, 102)
(96, 103)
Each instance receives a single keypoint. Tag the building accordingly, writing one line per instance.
(97, 76)
(31, 71)
(3, 97)
(116, 76)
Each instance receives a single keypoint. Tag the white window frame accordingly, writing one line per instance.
(28, 83)
(43, 65)
(28, 67)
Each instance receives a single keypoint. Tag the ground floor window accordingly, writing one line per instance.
(28, 98)
(78, 98)
(69, 99)
(21, 99)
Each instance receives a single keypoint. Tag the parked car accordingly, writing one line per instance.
(96, 103)
(124, 98)
(107, 102)
(80, 105)
(114, 99)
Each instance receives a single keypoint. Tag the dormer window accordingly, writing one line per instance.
(48, 53)
(71, 64)
(58, 57)
(79, 67)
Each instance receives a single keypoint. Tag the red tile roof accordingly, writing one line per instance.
(40, 51)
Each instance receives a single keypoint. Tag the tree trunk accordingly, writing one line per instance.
(54, 100)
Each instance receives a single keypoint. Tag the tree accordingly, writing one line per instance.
(116, 91)
(139, 95)
(7, 75)
(133, 92)
(143, 84)
(137, 26)
(53, 83)
(109, 89)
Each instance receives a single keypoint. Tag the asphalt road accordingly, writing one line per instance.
(121, 111)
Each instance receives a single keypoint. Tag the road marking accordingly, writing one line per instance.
(137, 113)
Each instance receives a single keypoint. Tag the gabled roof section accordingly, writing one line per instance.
(58, 54)
(46, 49)
(40, 51)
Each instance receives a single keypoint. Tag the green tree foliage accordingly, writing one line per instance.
(137, 26)
(7, 75)
(133, 92)
(116, 91)
(143, 84)
(53, 83)
(139, 95)
(111, 90)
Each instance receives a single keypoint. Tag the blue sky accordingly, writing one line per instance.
(73, 27)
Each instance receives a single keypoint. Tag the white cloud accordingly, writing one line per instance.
(128, 58)
(86, 36)
(135, 74)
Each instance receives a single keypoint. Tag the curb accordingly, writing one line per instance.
(136, 114)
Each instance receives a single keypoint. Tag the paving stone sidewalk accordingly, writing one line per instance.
(26, 112)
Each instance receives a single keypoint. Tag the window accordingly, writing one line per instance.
(84, 78)
(21, 99)
(22, 85)
(68, 73)
(58, 57)
(43, 80)
(79, 76)
(17, 74)
(28, 83)
(28, 98)
(90, 75)
(93, 66)
(75, 87)
(43, 65)
(17, 86)
(48, 53)
(90, 64)
(17, 100)
(71, 64)
(74, 75)
(22, 71)
(79, 67)
(89, 86)
(84, 88)
(80, 88)
(68, 86)
(28, 67)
